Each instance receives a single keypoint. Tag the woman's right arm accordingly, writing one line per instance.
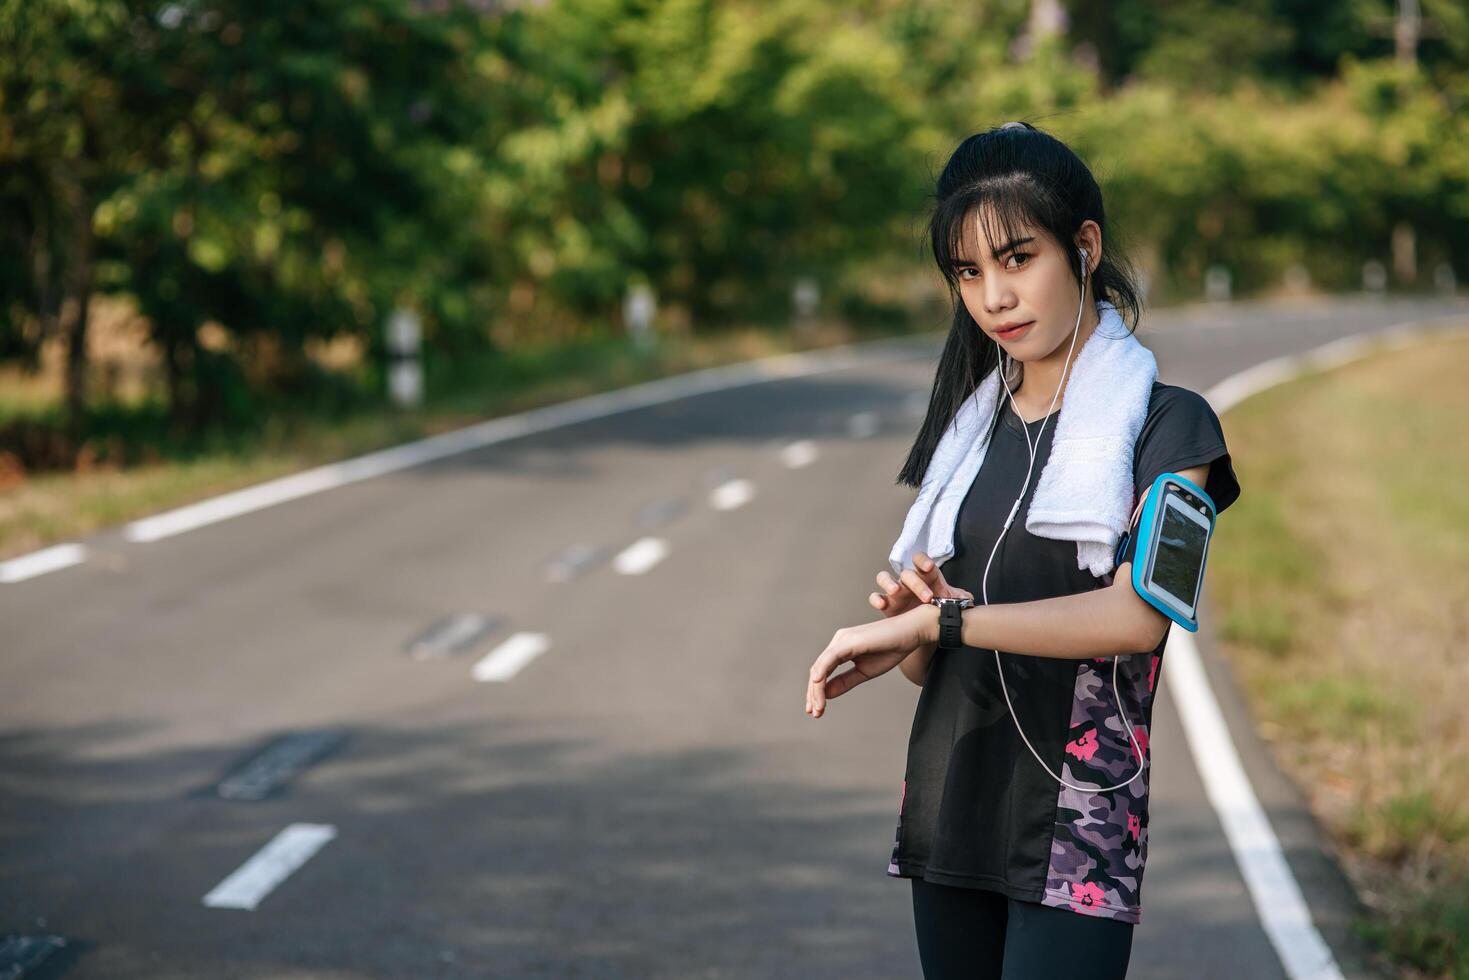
(897, 597)
(915, 665)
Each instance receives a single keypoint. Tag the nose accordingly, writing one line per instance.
(996, 296)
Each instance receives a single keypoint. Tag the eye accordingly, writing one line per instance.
(1026, 256)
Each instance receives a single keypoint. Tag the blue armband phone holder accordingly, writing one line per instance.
(1173, 532)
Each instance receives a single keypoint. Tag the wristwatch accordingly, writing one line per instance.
(951, 620)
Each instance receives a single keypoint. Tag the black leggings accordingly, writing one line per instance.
(973, 933)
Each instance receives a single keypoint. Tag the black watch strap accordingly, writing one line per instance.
(951, 622)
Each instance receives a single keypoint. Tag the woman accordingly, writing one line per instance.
(1014, 873)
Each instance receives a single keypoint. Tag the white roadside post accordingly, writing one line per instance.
(1443, 278)
(1374, 276)
(638, 309)
(405, 365)
(1297, 278)
(1217, 284)
(805, 300)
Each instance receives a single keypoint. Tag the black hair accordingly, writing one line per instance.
(1015, 176)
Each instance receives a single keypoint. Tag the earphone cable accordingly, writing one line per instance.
(984, 580)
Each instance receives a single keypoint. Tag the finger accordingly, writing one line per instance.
(822, 668)
(929, 570)
(895, 604)
(917, 585)
(818, 699)
(814, 687)
(830, 660)
(926, 566)
(899, 598)
(844, 682)
(899, 595)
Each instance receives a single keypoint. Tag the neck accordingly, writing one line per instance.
(1040, 379)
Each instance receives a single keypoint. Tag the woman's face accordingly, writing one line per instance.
(1026, 281)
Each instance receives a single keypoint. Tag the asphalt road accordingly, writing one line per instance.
(642, 795)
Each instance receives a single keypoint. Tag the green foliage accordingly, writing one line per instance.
(1429, 931)
(290, 171)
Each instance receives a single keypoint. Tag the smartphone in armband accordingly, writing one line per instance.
(1173, 531)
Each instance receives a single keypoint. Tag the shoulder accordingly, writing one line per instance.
(1179, 413)
(1183, 431)
(1169, 399)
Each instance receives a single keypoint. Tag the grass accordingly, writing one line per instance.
(1343, 578)
(46, 508)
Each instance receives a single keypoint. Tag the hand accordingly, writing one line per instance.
(898, 597)
(873, 648)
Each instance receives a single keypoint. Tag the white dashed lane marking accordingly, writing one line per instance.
(732, 494)
(800, 453)
(507, 659)
(270, 866)
(640, 556)
(863, 425)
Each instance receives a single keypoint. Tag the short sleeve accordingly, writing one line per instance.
(1180, 431)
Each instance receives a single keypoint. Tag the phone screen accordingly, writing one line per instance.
(1180, 554)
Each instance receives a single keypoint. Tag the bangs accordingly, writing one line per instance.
(967, 226)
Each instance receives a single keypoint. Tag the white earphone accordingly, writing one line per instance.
(1085, 272)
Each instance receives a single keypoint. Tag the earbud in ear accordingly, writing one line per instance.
(1085, 255)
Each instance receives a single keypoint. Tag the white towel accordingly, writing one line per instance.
(1085, 490)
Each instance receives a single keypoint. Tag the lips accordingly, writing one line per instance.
(1016, 332)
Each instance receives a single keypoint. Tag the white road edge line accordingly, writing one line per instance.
(41, 562)
(481, 434)
(212, 510)
(1278, 900)
(1282, 909)
(270, 866)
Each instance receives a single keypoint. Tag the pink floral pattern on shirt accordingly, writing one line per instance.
(1100, 843)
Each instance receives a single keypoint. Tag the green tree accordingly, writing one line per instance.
(314, 175)
(66, 140)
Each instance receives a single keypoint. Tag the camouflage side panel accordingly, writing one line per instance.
(1101, 838)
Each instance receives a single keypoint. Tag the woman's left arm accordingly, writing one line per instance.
(1113, 621)
(1110, 621)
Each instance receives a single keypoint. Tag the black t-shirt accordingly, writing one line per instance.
(978, 809)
